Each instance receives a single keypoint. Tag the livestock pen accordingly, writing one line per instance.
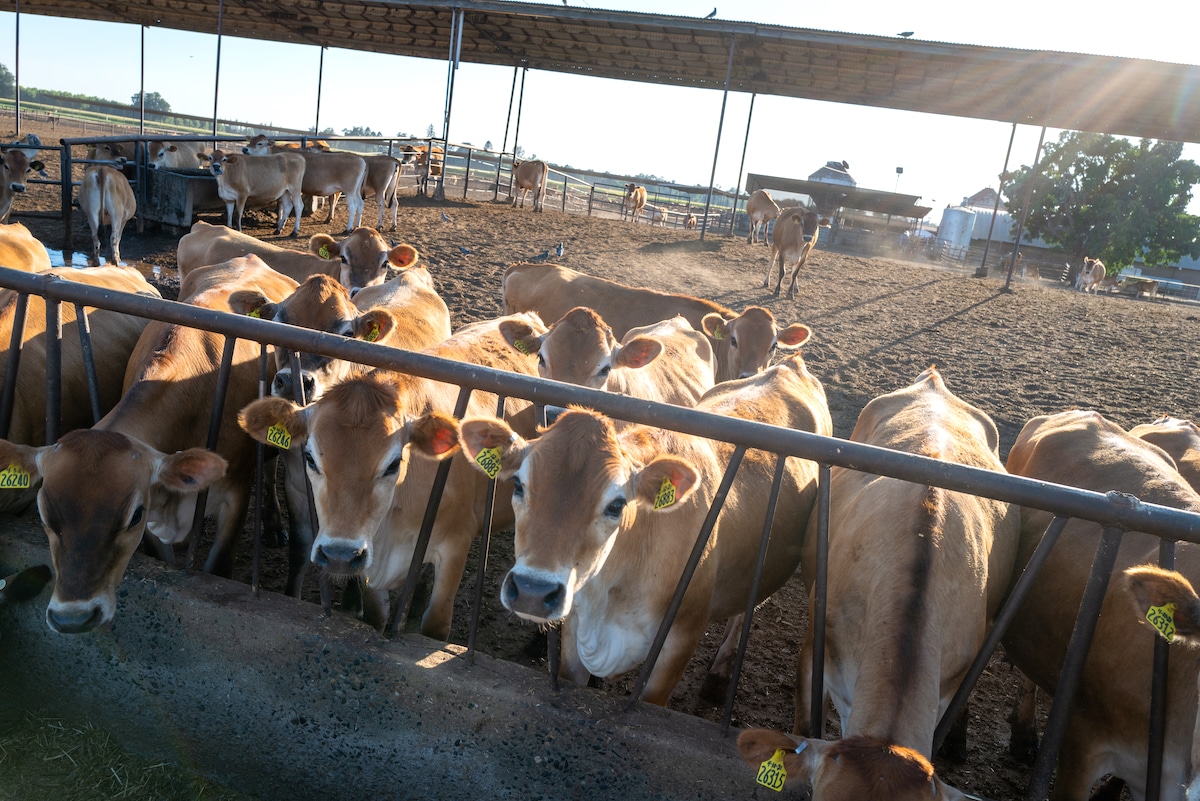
(1117, 513)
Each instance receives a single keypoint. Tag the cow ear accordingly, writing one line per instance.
(825, 222)
(275, 421)
(434, 434)
(794, 335)
(715, 326)
(638, 352)
(203, 157)
(230, 159)
(374, 325)
(37, 166)
(491, 445)
(190, 471)
(521, 336)
(172, 149)
(324, 246)
(1165, 599)
(665, 483)
(403, 256)
(251, 302)
(20, 465)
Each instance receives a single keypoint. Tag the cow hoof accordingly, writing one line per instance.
(715, 689)
(1023, 747)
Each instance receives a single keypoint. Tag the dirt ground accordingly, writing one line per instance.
(878, 322)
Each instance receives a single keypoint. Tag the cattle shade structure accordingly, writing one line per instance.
(829, 197)
(1114, 510)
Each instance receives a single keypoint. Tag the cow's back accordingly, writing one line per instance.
(207, 244)
(19, 250)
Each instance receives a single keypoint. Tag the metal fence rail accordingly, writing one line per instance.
(1117, 512)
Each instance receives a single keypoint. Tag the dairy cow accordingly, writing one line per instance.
(14, 167)
(761, 209)
(606, 520)
(105, 198)
(916, 572)
(743, 343)
(795, 236)
(634, 202)
(1180, 439)
(325, 174)
(275, 177)
(1090, 275)
(174, 155)
(383, 175)
(531, 176)
(19, 250)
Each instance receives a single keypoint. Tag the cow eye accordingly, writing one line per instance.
(774, 346)
(733, 342)
(347, 332)
(138, 513)
(541, 362)
(345, 260)
(615, 507)
(518, 488)
(392, 469)
(605, 370)
(310, 462)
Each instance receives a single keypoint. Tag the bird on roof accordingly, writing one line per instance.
(712, 14)
(905, 34)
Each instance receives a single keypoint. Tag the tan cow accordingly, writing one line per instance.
(1135, 286)
(360, 260)
(241, 179)
(121, 155)
(325, 175)
(531, 176)
(916, 573)
(424, 167)
(690, 222)
(371, 459)
(851, 769)
(19, 250)
(174, 155)
(667, 362)
(1090, 275)
(105, 198)
(761, 209)
(656, 215)
(606, 520)
(794, 237)
(1180, 439)
(635, 200)
(1109, 719)
(383, 175)
(742, 344)
(14, 167)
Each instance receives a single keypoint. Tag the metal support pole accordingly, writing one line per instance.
(507, 120)
(259, 483)
(685, 579)
(214, 431)
(8, 395)
(982, 271)
(320, 81)
(489, 503)
(720, 126)
(68, 215)
(737, 188)
(816, 709)
(517, 129)
(17, 72)
(1072, 667)
(89, 360)
(1037, 157)
(457, 20)
(217, 78)
(53, 370)
(1158, 694)
(142, 92)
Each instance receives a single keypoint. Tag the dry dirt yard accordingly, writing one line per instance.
(878, 323)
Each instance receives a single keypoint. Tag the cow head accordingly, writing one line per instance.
(258, 145)
(15, 165)
(574, 489)
(218, 161)
(354, 441)
(745, 344)
(365, 256)
(100, 491)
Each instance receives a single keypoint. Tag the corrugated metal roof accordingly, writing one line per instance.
(1124, 96)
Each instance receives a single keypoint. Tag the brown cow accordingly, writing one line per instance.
(360, 260)
(606, 520)
(383, 174)
(105, 197)
(240, 179)
(424, 167)
(1090, 275)
(14, 166)
(531, 176)
(120, 155)
(851, 769)
(742, 343)
(794, 237)
(113, 339)
(19, 250)
(761, 209)
(1180, 439)
(1109, 719)
(667, 362)
(916, 573)
(690, 222)
(325, 174)
(635, 200)
(173, 155)
(371, 461)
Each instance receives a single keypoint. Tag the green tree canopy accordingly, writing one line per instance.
(1110, 198)
(7, 82)
(154, 101)
(360, 130)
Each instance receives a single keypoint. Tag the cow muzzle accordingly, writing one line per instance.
(284, 387)
(17, 187)
(76, 617)
(534, 597)
(808, 237)
(341, 558)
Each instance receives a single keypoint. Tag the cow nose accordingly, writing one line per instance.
(808, 237)
(281, 387)
(246, 150)
(75, 619)
(532, 596)
(341, 560)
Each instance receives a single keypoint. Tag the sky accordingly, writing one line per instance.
(585, 122)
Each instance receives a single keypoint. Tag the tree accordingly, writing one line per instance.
(322, 132)
(1110, 198)
(519, 152)
(487, 145)
(8, 83)
(429, 131)
(154, 101)
(360, 130)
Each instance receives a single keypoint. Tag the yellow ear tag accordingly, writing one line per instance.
(372, 333)
(520, 345)
(666, 494)
(324, 252)
(257, 313)
(1162, 618)
(488, 460)
(719, 333)
(278, 436)
(772, 774)
(14, 477)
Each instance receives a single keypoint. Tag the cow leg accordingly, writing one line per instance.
(94, 224)
(239, 211)
(770, 266)
(375, 607)
(716, 681)
(296, 201)
(673, 660)
(791, 293)
(354, 205)
(333, 201)
(232, 500)
(116, 228)
(1022, 722)
(448, 565)
(569, 665)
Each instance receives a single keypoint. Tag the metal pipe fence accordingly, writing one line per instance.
(1116, 512)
